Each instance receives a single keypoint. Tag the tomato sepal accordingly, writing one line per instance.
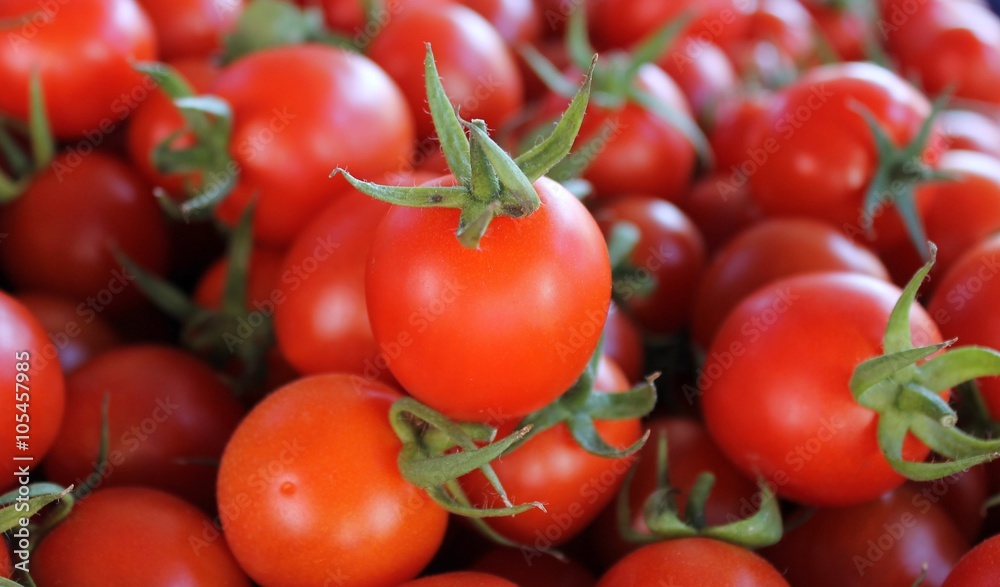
(271, 23)
(41, 141)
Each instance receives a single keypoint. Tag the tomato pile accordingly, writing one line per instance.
(476, 293)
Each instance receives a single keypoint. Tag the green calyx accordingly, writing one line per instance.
(273, 23)
(665, 522)
(903, 385)
(24, 165)
(216, 334)
(490, 182)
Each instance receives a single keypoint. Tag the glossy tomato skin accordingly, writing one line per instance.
(460, 579)
(623, 344)
(134, 536)
(766, 252)
(477, 69)
(669, 256)
(500, 330)
(964, 305)
(623, 23)
(517, 21)
(969, 130)
(719, 209)
(876, 543)
(191, 28)
(83, 51)
(844, 29)
(299, 112)
(63, 227)
(815, 155)
(72, 340)
(692, 561)
(702, 71)
(185, 413)
(23, 341)
(980, 567)
(323, 325)
(551, 468)
(305, 475)
(962, 496)
(781, 362)
(534, 569)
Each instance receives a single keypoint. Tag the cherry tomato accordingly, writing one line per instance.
(35, 405)
(784, 25)
(970, 131)
(135, 536)
(730, 123)
(623, 344)
(719, 210)
(505, 328)
(527, 570)
(306, 476)
(788, 352)
(962, 495)
(72, 340)
(880, 542)
(517, 21)
(845, 29)
(161, 429)
(622, 23)
(767, 252)
(980, 567)
(83, 52)
(692, 561)
(460, 579)
(191, 28)
(702, 71)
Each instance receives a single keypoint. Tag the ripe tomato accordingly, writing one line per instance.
(668, 258)
(702, 71)
(962, 496)
(730, 123)
(298, 112)
(622, 23)
(552, 468)
(134, 536)
(623, 344)
(477, 70)
(527, 570)
(460, 579)
(159, 428)
(72, 340)
(692, 561)
(719, 210)
(980, 567)
(787, 352)
(83, 52)
(877, 543)
(310, 491)
(846, 29)
(517, 21)
(964, 305)
(62, 230)
(506, 328)
(767, 252)
(191, 28)
(37, 394)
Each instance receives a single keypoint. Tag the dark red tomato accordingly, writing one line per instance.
(310, 490)
(7, 566)
(729, 125)
(814, 154)
(878, 543)
(161, 428)
(551, 468)
(37, 393)
(73, 340)
(65, 225)
(962, 495)
(622, 23)
(83, 51)
(692, 561)
(948, 46)
(528, 568)
(262, 285)
(769, 251)
(781, 362)
(980, 567)
(970, 131)
(517, 21)
(322, 325)
(668, 259)
(503, 329)
(300, 111)
(477, 69)
(845, 29)
(783, 25)
(460, 579)
(135, 536)
(623, 344)
(719, 209)
(191, 28)
(702, 71)
(964, 305)
(690, 452)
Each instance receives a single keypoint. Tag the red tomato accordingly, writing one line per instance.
(980, 567)
(623, 344)
(622, 23)
(964, 305)
(702, 71)
(767, 252)
(504, 329)
(310, 491)
(970, 131)
(812, 152)
(83, 51)
(844, 28)
(184, 413)
(62, 230)
(669, 257)
(517, 21)
(322, 325)
(528, 570)
(263, 275)
(877, 543)
(191, 28)
(962, 495)
(719, 210)
(134, 536)
(730, 123)
(72, 340)
(460, 579)
(37, 394)
(784, 25)
(552, 468)
(477, 70)
(298, 112)
(692, 561)
(787, 352)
